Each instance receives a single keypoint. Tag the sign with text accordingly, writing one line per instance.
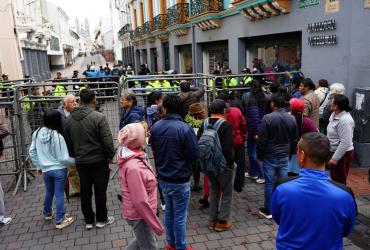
(308, 3)
(322, 39)
(367, 4)
(332, 6)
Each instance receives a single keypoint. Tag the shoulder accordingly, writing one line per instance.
(283, 182)
(342, 187)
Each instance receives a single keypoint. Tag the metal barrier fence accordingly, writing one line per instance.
(25, 110)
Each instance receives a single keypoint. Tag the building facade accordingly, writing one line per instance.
(315, 36)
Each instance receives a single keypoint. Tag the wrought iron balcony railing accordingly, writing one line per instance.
(137, 32)
(147, 27)
(125, 29)
(178, 14)
(160, 22)
(198, 7)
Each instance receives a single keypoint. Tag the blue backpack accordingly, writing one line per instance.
(212, 160)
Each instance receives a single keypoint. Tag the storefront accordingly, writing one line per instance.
(185, 59)
(215, 56)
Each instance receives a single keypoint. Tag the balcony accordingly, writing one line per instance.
(147, 27)
(202, 7)
(178, 14)
(125, 29)
(137, 33)
(160, 22)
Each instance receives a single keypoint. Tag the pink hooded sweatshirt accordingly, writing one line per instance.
(137, 179)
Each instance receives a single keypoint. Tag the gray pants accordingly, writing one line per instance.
(144, 236)
(2, 207)
(220, 209)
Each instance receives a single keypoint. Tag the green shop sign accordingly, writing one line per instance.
(308, 3)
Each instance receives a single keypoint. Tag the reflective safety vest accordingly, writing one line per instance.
(153, 85)
(230, 82)
(60, 91)
(247, 80)
(28, 105)
(166, 84)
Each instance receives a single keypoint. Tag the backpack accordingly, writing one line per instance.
(212, 160)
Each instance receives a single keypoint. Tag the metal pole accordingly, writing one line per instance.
(193, 48)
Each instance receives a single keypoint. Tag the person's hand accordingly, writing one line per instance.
(255, 137)
(332, 163)
(39, 172)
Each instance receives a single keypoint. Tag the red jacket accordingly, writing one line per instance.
(239, 126)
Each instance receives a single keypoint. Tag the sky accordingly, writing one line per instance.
(92, 9)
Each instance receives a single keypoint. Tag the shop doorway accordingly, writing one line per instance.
(166, 56)
(154, 59)
(185, 59)
(274, 53)
(215, 57)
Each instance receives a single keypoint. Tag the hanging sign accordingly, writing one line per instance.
(332, 6)
(308, 3)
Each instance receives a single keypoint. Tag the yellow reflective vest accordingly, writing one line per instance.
(60, 91)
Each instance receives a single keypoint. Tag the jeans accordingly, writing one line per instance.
(224, 184)
(255, 167)
(144, 236)
(293, 165)
(177, 197)
(273, 167)
(96, 175)
(55, 182)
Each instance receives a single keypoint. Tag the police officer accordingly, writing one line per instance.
(229, 81)
(246, 81)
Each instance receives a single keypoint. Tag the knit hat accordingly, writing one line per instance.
(296, 105)
(195, 108)
(132, 135)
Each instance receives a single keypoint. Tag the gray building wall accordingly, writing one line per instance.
(347, 62)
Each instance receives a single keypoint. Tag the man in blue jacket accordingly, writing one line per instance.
(131, 112)
(174, 146)
(313, 212)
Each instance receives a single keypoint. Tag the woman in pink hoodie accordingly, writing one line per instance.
(139, 188)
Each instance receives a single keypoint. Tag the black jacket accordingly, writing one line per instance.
(88, 134)
(225, 134)
(277, 136)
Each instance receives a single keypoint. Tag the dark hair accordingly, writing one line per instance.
(87, 96)
(299, 120)
(307, 82)
(256, 94)
(52, 120)
(216, 72)
(316, 147)
(297, 81)
(223, 96)
(342, 102)
(279, 99)
(323, 83)
(154, 96)
(274, 87)
(173, 104)
(130, 96)
(185, 86)
(217, 107)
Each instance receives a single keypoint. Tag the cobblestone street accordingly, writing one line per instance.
(28, 229)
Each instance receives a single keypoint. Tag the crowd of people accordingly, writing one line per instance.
(303, 171)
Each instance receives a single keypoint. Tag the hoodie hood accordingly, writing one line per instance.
(44, 135)
(81, 112)
(152, 110)
(125, 154)
(138, 110)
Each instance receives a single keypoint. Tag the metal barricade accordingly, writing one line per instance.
(31, 104)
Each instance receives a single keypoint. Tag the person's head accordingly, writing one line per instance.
(184, 86)
(172, 104)
(132, 136)
(340, 103)
(278, 100)
(246, 71)
(223, 96)
(228, 72)
(87, 96)
(337, 88)
(274, 87)
(306, 86)
(323, 83)
(217, 107)
(155, 98)
(53, 120)
(197, 111)
(35, 91)
(59, 74)
(128, 100)
(69, 102)
(296, 82)
(216, 72)
(313, 151)
(296, 105)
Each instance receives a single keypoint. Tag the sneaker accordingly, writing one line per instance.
(163, 206)
(260, 181)
(89, 226)
(109, 221)
(265, 212)
(50, 216)
(220, 227)
(170, 247)
(6, 221)
(65, 223)
(211, 225)
(249, 176)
